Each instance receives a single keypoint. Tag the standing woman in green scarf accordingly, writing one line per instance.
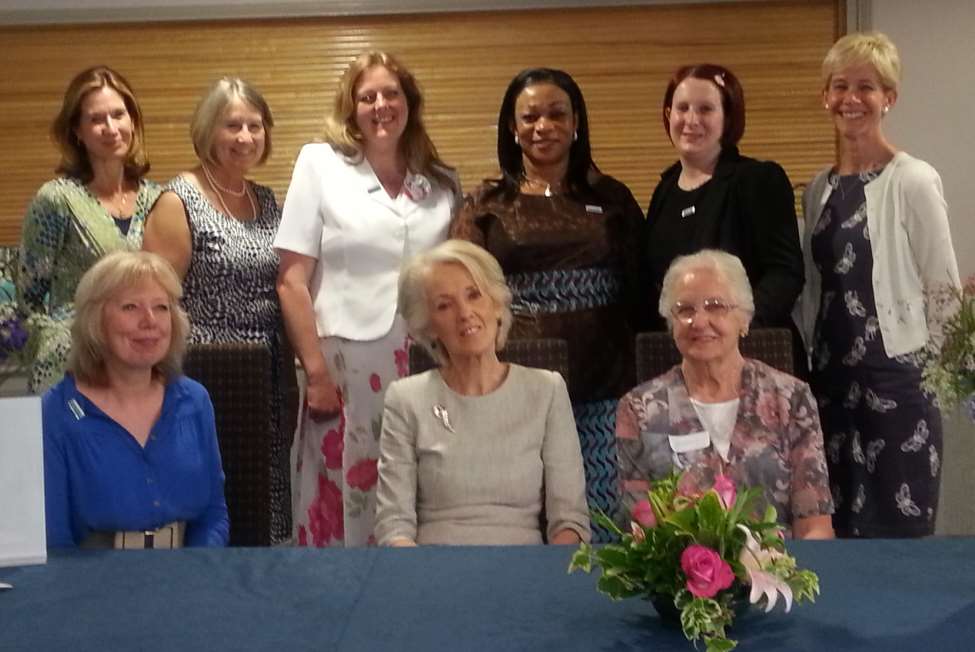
(97, 204)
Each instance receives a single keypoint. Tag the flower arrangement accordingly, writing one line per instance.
(949, 370)
(699, 552)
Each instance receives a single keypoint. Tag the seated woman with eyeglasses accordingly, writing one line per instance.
(720, 413)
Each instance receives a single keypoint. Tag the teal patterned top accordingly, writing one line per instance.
(65, 231)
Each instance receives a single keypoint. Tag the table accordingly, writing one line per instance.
(877, 595)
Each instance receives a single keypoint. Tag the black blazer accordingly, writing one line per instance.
(748, 211)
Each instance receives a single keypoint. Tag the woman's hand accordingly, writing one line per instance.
(402, 542)
(565, 538)
(813, 527)
(322, 398)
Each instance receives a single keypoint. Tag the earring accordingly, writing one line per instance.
(886, 109)
(516, 140)
(575, 135)
(743, 334)
(826, 106)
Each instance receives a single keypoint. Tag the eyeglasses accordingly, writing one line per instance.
(713, 307)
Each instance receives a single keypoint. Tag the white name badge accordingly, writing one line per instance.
(693, 441)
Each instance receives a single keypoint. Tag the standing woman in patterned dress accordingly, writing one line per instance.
(216, 228)
(97, 205)
(566, 236)
(360, 203)
(877, 248)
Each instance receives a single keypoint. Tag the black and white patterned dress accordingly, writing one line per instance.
(229, 293)
(883, 435)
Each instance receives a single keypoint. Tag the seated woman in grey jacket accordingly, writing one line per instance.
(477, 451)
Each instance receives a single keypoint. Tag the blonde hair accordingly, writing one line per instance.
(118, 270)
(414, 303)
(726, 266)
(74, 157)
(859, 48)
(342, 132)
(210, 110)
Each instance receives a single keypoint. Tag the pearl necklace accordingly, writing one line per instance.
(219, 192)
(218, 187)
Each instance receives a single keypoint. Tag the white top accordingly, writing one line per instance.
(913, 257)
(719, 420)
(339, 213)
(500, 469)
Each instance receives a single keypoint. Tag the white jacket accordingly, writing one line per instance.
(338, 212)
(912, 253)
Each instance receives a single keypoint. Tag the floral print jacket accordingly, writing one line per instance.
(776, 443)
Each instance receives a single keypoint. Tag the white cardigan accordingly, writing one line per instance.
(913, 258)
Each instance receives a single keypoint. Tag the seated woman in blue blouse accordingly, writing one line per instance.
(130, 446)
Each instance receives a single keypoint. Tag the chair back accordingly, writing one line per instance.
(543, 353)
(656, 353)
(238, 377)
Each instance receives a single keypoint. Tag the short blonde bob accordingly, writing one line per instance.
(342, 132)
(105, 279)
(728, 268)
(414, 303)
(871, 48)
(210, 111)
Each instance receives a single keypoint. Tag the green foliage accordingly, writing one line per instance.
(949, 371)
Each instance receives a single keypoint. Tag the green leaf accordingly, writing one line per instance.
(581, 559)
(720, 644)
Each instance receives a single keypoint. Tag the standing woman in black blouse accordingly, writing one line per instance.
(715, 198)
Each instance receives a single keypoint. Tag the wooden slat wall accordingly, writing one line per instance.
(621, 58)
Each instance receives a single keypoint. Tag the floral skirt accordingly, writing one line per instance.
(333, 462)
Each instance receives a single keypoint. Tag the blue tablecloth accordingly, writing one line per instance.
(877, 595)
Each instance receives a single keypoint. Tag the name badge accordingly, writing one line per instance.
(598, 210)
(694, 441)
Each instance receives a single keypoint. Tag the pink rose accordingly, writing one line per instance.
(643, 514)
(363, 474)
(707, 573)
(725, 489)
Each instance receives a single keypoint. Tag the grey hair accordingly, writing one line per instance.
(728, 267)
(413, 301)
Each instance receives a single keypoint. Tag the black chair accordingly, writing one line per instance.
(656, 352)
(545, 353)
(238, 378)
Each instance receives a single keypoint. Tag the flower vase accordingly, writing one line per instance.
(670, 614)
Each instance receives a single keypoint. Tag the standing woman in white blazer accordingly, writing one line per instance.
(877, 249)
(371, 195)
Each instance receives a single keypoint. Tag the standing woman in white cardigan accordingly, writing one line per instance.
(877, 248)
(370, 196)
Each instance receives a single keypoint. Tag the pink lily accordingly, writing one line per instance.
(755, 559)
(637, 531)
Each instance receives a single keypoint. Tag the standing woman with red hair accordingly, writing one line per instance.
(715, 198)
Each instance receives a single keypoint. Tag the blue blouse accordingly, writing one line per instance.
(98, 477)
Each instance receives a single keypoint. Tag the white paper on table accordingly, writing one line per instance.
(23, 538)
